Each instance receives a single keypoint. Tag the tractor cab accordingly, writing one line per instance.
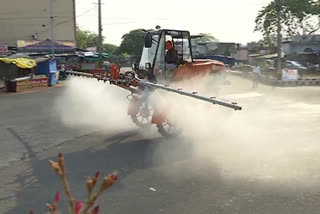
(155, 63)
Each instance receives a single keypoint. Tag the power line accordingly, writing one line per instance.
(52, 19)
(119, 23)
(100, 34)
(69, 20)
(87, 11)
(46, 17)
(30, 17)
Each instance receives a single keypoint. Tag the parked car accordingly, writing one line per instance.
(314, 67)
(295, 65)
(269, 64)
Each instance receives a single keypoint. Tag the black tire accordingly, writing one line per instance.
(138, 123)
(168, 130)
(144, 120)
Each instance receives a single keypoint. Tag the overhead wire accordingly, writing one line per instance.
(69, 20)
(119, 23)
(30, 17)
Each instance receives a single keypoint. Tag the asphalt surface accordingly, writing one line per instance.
(264, 159)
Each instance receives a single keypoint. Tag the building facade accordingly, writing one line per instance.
(242, 54)
(300, 44)
(30, 20)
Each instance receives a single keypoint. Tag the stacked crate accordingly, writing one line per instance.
(27, 85)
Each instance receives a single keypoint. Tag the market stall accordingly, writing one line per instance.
(18, 74)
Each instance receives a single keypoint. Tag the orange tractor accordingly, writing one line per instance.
(166, 57)
(154, 57)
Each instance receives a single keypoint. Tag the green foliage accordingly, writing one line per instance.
(132, 43)
(207, 37)
(109, 48)
(298, 17)
(209, 41)
(86, 39)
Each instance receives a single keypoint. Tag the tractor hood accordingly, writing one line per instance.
(209, 61)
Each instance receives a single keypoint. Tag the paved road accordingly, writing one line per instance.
(263, 159)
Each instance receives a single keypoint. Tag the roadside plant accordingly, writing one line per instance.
(79, 207)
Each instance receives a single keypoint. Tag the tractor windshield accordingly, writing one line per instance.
(148, 54)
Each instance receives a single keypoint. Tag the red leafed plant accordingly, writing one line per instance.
(77, 207)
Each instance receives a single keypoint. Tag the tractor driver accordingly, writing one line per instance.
(171, 57)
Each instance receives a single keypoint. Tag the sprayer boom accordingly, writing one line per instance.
(195, 95)
(129, 82)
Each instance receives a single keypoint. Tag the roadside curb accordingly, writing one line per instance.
(3, 92)
(269, 81)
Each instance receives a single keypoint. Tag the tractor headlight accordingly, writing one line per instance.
(134, 66)
(148, 66)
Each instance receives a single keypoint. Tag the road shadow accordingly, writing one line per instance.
(128, 152)
(117, 153)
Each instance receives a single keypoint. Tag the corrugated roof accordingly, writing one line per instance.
(268, 56)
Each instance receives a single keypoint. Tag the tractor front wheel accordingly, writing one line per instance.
(144, 116)
(168, 129)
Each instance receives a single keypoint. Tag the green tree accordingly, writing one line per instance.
(109, 48)
(132, 43)
(298, 17)
(86, 39)
(207, 37)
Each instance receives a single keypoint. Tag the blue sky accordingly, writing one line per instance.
(227, 20)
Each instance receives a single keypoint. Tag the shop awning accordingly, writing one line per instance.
(20, 62)
(95, 56)
(268, 56)
(46, 46)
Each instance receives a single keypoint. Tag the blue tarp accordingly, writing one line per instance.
(48, 68)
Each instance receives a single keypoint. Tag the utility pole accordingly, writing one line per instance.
(52, 25)
(279, 8)
(100, 35)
